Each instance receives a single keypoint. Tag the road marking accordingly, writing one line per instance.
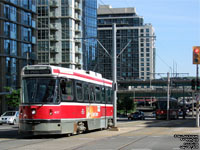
(156, 136)
(141, 149)
(86, 138)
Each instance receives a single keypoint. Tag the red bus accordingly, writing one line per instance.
(58, 100)
(161, 108)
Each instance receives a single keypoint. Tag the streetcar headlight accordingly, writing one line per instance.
(33, 111)
(51, 112)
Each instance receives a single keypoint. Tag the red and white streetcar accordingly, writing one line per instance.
(58, 100)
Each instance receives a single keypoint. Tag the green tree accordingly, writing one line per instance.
(126, 104)
(13, 98)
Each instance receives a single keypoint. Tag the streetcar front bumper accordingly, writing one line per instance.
(39, 127)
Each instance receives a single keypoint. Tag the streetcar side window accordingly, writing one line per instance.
(103, 98)
(86, 92)
(66, 87)
(108, 95)
(79, 91)
(98, 93)
(92, 94)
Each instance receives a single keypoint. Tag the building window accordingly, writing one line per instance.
(13, 13)
(65, 57)
(147, 50)
(11, 72)
(6, 11)
(7, 47)
(13, 31)
(26, 18)
(43, 34)
(66, 24)
(43, 46)
(64, 8)
(42, 11)
(7, 29)
(25, 48)
(43, 23)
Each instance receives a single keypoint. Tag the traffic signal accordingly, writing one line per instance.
(196, 54)
(195, 85)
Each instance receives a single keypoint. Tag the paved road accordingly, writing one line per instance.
(133, 135)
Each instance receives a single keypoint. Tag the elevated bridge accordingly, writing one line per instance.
(158, 88)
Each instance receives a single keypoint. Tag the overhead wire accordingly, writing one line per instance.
(47, 26)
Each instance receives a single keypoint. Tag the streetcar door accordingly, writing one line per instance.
(104, 105)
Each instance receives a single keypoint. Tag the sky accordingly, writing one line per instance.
(177, 29)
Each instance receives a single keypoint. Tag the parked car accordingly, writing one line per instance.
(153, 114)
(10, 117)
(1, 122)
(136, 116)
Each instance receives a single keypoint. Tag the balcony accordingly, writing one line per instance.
(53, 3)
(53, 49)
(77, 7)
(78, 51)
(53, 14)
(78, 28)
(77, 17)
(78, 41)
(53, 26)
(53, 38)
(52, 61)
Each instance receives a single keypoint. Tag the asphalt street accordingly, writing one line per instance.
(149, 134)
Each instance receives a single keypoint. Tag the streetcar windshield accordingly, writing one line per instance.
(163, 105)
(39, 90)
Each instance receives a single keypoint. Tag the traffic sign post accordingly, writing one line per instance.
(197, 110)
(195, 85)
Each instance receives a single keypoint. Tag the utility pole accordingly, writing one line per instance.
(197, 104)
(168, 82)
(114, 76)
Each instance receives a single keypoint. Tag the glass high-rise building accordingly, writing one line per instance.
(64, 28)
(17, 42)
(89, 33)
(138, 59)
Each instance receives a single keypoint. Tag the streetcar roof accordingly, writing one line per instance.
(165, 99)
(49, 70)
